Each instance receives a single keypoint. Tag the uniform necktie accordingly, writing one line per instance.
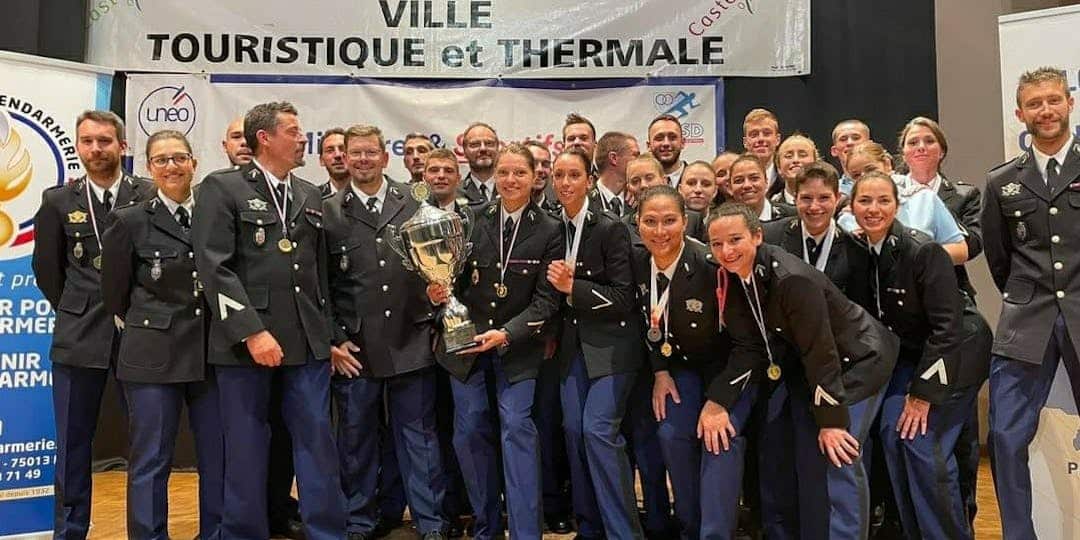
(371, 202)
(107, 201)
(280, 190)
(570, 231)
(661, 283)
(1052, 172)
(508, 234)
(182, 217)
(484, 192)
(813, 250)
(615, 206)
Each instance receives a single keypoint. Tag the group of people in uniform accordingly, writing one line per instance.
(766, 345)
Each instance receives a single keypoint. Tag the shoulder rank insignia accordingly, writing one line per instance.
(312, 211)
(1011, 189)
(258, 205)
(77, 216)
(694, 305)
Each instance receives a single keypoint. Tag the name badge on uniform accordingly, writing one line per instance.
(258, 205)
(1011, 189)
(260, 236)
(1021, 231)
(77, 216)
(694, 305)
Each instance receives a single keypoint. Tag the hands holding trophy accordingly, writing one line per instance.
(435, 243)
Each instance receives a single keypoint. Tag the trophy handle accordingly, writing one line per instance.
(468, 222)
(393, 237)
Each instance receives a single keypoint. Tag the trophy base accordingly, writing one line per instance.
(460, 338)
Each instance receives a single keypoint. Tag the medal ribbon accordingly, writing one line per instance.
(826, 247)
(721, 294)
(572, 244)
(504, 258)
(759, 315)
(93, 217)
(658, 307)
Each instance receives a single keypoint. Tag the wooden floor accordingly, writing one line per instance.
(109, 505)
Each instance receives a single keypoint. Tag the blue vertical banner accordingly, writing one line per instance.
(39, 101)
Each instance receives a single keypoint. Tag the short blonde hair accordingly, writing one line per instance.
(797, 137)
(759, 115)
(1041, 75)
(359, 131)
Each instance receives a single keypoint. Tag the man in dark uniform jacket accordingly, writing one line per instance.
(383, 331)
(1031, 207)
(67, 263)
(332, 158)
(480, 144)
(259, 246)
(613, 152)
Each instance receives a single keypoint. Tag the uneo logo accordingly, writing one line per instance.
(168, 107)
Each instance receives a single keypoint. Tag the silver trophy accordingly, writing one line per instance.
(435, 243)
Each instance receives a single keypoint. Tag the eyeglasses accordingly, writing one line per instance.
(163, 161)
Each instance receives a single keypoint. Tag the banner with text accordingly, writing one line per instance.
(1055, 453)
(39, 100)
(471, 39)
(203, 106)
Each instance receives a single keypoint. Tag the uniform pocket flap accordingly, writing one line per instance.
(73, 302)
(259, 296)
(142, 318)
(258, 218)
(1019, 291)
(157, 253)
(1019, 208)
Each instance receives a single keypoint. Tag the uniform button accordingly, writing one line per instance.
(693, 325)
(1005, 295)
(294, 244)
(198, 311)
(194, 273)
(846, 359)
(258, 222)
(378, 240)
(382, 262)
(588, 272)
(296, 288)
(146, 322)
(491, 322)
(1055, 239)
(385, 288)
(493, 304)
(622, 324)
(497, 265)
(322, 301)
(293, 224)
(157, 253)
(1060, 294)
(1018, 213)
(387, 313)
(524, 270)
(1058, 265)
(899, 302)
(1053, 210)
(191, 254)
(295, 266)
(573, 321)
(779, 330)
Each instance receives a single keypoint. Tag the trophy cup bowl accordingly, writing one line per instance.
(435, 244)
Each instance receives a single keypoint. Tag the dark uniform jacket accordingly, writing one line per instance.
(599, 317)
(148, 279)
(846, 257)
(531, 300)
(843, 353)
(964, 201)
(918, 299)
(693, 330)
(468, 189)
(377, 303)
(65, 247)
(251, 285)
(597, 204)
(1031, 241)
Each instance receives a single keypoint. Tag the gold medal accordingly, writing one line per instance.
(420, 192)
(665, 349)
(501, 291)
(97, 262)
(260, 236)
(773, 372)
(284, 245)
(77, 251)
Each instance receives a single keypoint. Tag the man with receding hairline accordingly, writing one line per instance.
(666, 144)
(236, 148)
(417, 146)
(613, 152)
(481, 144)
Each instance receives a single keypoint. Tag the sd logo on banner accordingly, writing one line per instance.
(39, 101)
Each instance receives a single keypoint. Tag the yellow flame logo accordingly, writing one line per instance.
(16, 171)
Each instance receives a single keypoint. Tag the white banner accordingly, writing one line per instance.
(1055, 453)
(39, 101)
(203, 106)
(470, 39)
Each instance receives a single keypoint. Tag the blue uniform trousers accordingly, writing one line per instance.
(602, 483)
(153, 421)
(244, 395)
(410, 400)
(475, 443)
(1018, 393)
(547, 413)
(923, 471)
(706, 485)
(640, 427)
(76, 402)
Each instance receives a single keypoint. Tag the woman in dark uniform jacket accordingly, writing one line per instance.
(149, 282)
(510, 300)
(944, 359)
(677, 281)
(600, 351)
(830, 361)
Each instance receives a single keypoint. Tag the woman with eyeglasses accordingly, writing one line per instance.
(149, 282)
